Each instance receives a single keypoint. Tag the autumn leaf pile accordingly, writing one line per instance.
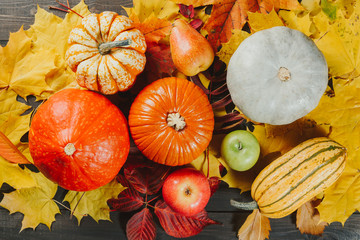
(33, 68)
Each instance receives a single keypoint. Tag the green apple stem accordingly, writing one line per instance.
(240, 146)
(248, 206)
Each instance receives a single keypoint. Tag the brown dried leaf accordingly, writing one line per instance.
(308, 218)
(256, 226)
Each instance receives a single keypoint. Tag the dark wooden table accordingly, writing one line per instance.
(14, 14)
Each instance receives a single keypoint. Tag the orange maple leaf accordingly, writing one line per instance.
(266, 6)
(228, 15)
(10, 152)
(153, 28)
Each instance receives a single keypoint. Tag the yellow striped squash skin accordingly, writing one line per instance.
(298, 176)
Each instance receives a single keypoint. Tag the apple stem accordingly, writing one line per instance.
(105, 48)
(240, 146)
(244, 205)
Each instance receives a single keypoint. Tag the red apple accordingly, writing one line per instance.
(186, 191)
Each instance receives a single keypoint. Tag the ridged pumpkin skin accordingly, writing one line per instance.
(149, 123)
(79, 139)
(109, 72)
(298, 176)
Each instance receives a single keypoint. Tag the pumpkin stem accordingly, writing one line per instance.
(284, 74)
(248, 206)
(69, 149)
(105, 48)
(176, 121)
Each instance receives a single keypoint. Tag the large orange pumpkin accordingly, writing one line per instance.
(106, 52)
(171, 121)
(79, 139)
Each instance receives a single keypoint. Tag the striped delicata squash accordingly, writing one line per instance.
(296, 177)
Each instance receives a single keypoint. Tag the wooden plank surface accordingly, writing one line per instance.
(17, 13)
(218, 208)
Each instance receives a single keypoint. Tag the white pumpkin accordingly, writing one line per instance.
(277, 76)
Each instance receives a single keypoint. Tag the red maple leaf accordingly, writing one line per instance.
(147, 179)
(144, 180)
(141, 226)
(159, 63)
(180, 226)
(187, 11)
(128, 200)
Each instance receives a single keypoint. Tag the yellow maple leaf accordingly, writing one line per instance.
(312, 6)
(14, 126)
(228, 49)
(303, 23)
(341, 112)
(21, 69)
(163, 9)
(261, 21)
(342, 199)
(9, 106)
(340, 45)
(36, 203)
(209, 161)
(93, 203)
(51, 32)
(322, 24)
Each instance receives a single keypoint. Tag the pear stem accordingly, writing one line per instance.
(248, 206)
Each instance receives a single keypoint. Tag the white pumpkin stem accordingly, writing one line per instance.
(105, 48)
(176, 121)
(69, 149)
(244, 205)
(284, 74)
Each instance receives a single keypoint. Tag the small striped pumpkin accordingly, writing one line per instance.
(106, 52)
(296, 177)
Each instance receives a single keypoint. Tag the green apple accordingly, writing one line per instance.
(240, 149)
